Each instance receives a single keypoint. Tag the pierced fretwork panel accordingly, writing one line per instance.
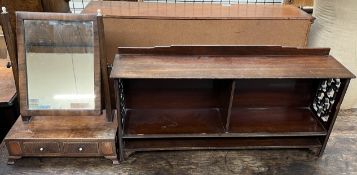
(326, 98)
(122, 101)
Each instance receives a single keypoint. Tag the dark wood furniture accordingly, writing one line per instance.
(62, 132)
(226, 97)
(64, 136)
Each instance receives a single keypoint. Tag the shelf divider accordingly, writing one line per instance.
(227, 103)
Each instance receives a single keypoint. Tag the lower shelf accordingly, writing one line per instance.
(173, 121)
(220, 143)
(273, 121)
(245, 122)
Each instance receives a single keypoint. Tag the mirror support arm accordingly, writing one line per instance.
(104, 69)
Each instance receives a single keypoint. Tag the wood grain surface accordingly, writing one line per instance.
(7, 83)
(19, 5)
(10, 39)
(179, 121)
(64, 127)
(195, 11)
(204, 67)
(245, 120)
(338, 159)
(132, 24)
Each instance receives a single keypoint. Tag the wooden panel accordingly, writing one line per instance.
(228, 67)
(153, 24)
(274, 120)
(14, 148)
(258, 93)
(300, 3)
(56, 6)
(3, 49)
(80, 148)
(230, 143)
(232, 50)
(170, 93)
(173, 121)
(41, 147)
(107, 148)
(21, 5)
(151, 32)
(7, 83)
(195, 11)
(10, 38)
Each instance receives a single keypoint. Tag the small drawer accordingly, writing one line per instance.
(80, 148)
(41, 147)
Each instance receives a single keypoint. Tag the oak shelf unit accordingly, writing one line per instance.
(226, 97)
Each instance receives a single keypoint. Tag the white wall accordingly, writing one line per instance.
(336, 27)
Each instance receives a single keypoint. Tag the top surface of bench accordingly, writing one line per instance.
(226, 62)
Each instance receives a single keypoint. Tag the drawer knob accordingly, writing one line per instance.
(41, 149)
(80, 149)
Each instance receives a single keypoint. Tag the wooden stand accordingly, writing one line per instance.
(62, 132)
(229, 97)
(63, 136)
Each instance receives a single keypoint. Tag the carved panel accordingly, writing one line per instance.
(122, 101)
(325, 98)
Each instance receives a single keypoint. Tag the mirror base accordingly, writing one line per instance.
(26, 119)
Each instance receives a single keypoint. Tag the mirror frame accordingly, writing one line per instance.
(22, 67)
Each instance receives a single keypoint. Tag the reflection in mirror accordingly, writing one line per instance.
(60, 64)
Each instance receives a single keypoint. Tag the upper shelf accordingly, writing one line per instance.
(195, 11)
(226, 62)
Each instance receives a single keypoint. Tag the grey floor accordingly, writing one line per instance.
(340, 158)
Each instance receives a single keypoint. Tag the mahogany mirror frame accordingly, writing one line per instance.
(26, 113)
